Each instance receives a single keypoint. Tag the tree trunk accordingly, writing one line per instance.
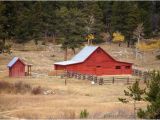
(65, 54)
(54, 38)
(128, 43)
(74, 51)
(4, 41)
(45, 39)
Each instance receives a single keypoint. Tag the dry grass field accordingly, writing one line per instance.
(67, 101)
(101, 101)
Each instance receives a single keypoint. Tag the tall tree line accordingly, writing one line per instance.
(69, 21)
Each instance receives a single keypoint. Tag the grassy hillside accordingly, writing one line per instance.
(43, 57)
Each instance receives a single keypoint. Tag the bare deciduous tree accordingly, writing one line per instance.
(138, 34)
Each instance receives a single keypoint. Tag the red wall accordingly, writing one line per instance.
(17, 70)
(99, 63)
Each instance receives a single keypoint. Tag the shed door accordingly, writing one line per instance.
(17, 72)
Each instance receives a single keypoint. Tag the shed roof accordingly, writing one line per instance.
(13, 61)
(80, 57)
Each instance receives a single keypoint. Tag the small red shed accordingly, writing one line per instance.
(16, 67)
(95, 61)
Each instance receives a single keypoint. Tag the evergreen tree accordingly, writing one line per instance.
(107, 14)
(145, 15)
(23, 29)
(37, 21)
(24, 21)
(3, 19)
(7, 20)
(134, 92)
(133, 19)
(119, 16)
(70, 28)
(49, 18)
(94, 20)
(125, 18)
(2, 31)
(153, 97)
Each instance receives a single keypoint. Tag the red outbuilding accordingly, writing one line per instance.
(95, 61)
(16, 67)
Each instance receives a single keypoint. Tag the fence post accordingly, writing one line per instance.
(145, 78)
(95, 79)
(113, 80)
(100, 81)
(83, 77)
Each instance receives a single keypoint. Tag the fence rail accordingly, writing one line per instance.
(100, 80)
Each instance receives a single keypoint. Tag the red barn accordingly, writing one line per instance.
(16, 67)
(94, 60)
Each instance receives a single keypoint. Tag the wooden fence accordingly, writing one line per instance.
(100, 80)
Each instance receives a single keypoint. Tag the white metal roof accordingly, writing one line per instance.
(80, 57)
(66, 62)
(13, 61)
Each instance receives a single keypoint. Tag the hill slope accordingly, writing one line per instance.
(42, 57)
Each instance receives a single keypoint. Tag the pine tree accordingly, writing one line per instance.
(106, 7)
(3, 19)
(49, 19)
(8, 13)
(94, 20)
(119, 16)
(145, 16)
(133, 19)
(135, 93)
(125, 18)
(37, 21)
(153, 97)
(23, 29)
(70, 28)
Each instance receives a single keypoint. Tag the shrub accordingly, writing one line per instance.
(84, 114)
(21, 87)
(37, 90)
(5, 86)
(18, 87)
(43, 43)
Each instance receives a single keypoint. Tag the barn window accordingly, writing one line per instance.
(127, 67)
(118, 67)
